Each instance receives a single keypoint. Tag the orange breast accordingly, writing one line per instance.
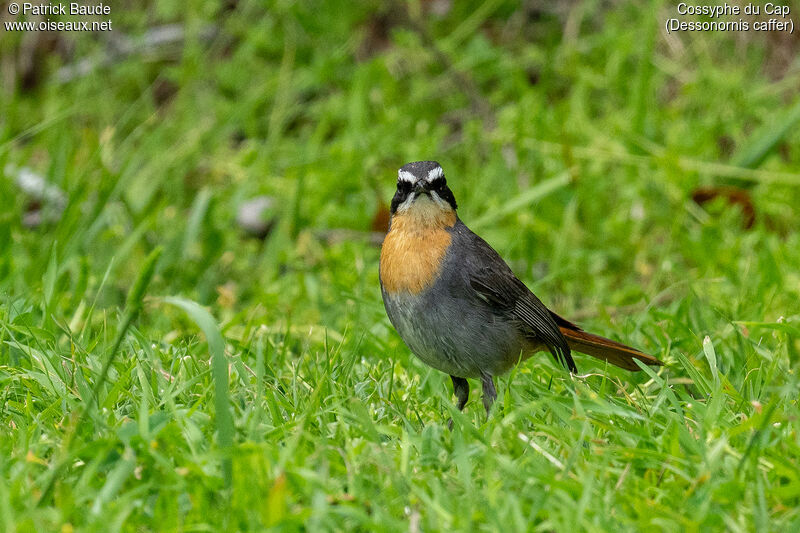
(413, 250)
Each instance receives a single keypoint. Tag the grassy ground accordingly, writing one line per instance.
(573, 137)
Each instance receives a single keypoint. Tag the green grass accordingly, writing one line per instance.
(573, 138)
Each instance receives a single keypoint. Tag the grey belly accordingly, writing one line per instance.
(457, 336)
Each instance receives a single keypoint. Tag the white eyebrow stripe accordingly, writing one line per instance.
(404, 175)
(435, 173)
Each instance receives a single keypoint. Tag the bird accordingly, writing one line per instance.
(457, 304)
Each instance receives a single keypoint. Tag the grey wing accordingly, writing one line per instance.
(494, 282)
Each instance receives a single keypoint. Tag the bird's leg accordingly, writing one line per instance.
(461, 390)
(489, 392)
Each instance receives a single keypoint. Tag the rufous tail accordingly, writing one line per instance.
(614, 352)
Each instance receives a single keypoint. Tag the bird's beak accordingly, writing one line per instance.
(420, 187)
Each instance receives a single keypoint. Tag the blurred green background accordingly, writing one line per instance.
(643, 184)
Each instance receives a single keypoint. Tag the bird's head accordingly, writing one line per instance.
(422, 190)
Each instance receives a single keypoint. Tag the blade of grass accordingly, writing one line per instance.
(133, 307)
(766, 138)
(711, 356)
(219, 372)
(49, 280)
(660, 156)
(116, 478)
(524, 199)
(196, 216)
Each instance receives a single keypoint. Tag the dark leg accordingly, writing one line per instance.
(489, 392)
(461, 390)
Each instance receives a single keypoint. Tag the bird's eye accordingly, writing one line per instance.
(403, 186)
